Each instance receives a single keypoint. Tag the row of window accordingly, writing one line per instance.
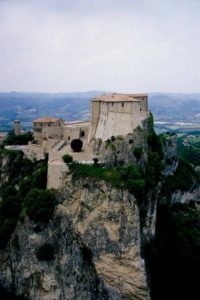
(49, 124)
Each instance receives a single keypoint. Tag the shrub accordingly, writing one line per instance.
(39, 204)
(6, 228)
(45, 252)
(39, 178)
(153, 170)
(155, 144)
(131, 171)
(8, 190)
(22, 139)
(138, 152)
(182, 179)
(129, 177)
(67, 158)
(76, 145)
(10, 207)
(23, 176)
(95, 159)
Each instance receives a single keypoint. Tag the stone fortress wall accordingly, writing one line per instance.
(111, 115)
(117, 114)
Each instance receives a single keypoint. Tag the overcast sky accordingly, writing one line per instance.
(108, 45)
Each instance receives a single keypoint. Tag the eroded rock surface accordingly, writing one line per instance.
(96, 236)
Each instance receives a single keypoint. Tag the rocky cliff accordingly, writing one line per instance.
(108, 222)
(97, 232)
(96, 236)
(70, 275)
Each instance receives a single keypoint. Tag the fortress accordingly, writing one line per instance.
(116, 114)
(111, 115)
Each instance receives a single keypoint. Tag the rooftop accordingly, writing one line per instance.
(77, 124)
(119, 97)
(46, 120)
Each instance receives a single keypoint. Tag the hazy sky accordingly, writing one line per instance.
(110, 45)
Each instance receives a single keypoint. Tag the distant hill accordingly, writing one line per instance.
(179, 107)
(166, 107)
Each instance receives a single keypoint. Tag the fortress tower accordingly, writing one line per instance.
(17, 127)
(117, 114)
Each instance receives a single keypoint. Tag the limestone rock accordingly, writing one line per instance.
(108, 222)
(96, 236)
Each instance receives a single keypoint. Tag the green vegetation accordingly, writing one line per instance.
(132, 177)
(39, 204)
(137, 152)
(189, 148)
(174, 256)
(155, 156)
(67, 158)
(183, 179)
(96, 160)
(45, 252)
(129, 177)
(24, 176)
(22, 139)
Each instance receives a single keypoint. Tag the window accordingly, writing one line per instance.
(112, 103)
(68, 138)
(122, 103)
(82, 133)
(38, 130)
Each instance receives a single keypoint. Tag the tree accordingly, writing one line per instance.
(67, 158)
(76, 145)
(39, 205)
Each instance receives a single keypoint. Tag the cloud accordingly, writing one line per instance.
(119, 45)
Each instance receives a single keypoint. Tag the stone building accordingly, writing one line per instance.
(76, 130)
(111, 115)
(17, 127)
(117, 114)
(47, 128)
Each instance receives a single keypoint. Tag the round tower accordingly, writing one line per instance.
(17, 127)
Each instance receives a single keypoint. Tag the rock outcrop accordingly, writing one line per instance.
(70, 275)
(108, 222)
(96, 236)
(123, 150)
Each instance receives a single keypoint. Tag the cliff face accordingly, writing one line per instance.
(90, 215)
(108, 222)
(4, 161)
(70, 275)
(119, 151)
(97, 233)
